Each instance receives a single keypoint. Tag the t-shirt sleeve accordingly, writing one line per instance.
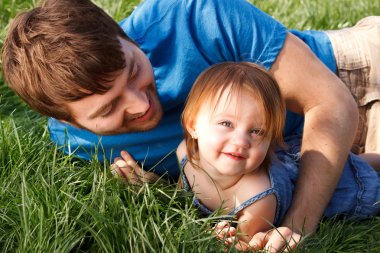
(226, 30)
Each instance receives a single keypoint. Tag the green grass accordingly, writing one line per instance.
(50, 202)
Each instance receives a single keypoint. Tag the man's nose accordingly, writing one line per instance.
(136, 101)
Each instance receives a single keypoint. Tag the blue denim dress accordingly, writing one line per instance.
(355, 196)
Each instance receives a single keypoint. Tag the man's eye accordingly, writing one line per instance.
(226, 123)
(110, 109)
(134, 73)
(107, 111)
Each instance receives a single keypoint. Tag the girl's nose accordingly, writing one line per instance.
(241, 139)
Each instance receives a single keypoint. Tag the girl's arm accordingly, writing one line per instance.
(255, 218)
(258, 217)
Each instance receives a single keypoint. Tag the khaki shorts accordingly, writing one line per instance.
(357, 55)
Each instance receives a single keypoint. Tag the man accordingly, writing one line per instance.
(109, 89)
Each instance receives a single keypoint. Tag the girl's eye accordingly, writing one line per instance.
(258, 132)
(226, 123)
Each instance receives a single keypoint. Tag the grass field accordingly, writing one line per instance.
(50, 203)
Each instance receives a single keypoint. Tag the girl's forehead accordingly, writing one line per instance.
(223, 97)
(230, 100)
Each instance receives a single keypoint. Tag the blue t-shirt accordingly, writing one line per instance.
(181, 39)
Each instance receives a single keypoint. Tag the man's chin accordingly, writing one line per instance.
(142, 128)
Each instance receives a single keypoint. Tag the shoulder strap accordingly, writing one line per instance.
(185, 182)
(252, 200)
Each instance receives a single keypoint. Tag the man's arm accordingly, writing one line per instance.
(331, 117)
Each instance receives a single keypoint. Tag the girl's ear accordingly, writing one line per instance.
(190, 127)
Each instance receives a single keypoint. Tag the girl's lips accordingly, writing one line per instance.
(235, 156)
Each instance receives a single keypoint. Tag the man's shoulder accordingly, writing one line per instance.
(151, 15)
(151, 9)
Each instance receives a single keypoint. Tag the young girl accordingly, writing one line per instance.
(233, 120)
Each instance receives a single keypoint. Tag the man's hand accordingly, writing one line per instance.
(128, 169)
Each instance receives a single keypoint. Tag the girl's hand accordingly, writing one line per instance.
(224, 232)
(128, 169)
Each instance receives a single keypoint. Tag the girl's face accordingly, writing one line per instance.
(230, 137)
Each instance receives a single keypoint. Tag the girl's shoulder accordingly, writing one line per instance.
(252, 184)
(181, 150)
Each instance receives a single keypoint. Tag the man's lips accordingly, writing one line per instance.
(144, 116)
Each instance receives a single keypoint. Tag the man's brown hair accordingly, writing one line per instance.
(61, 51)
